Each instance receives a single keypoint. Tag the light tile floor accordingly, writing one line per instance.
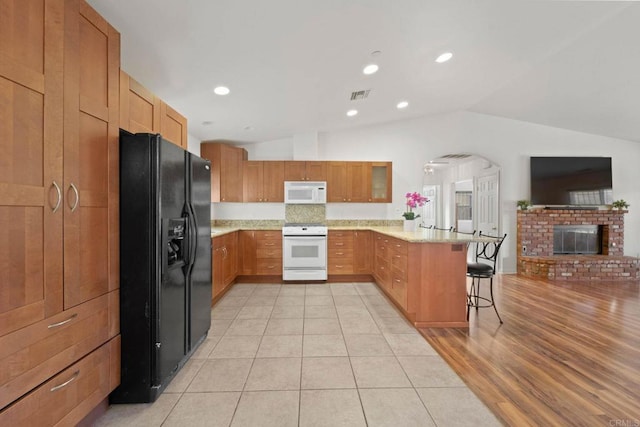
(310, 355)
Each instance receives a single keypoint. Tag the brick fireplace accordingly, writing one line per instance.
(535, 243)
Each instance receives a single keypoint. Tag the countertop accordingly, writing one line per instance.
(421, 235)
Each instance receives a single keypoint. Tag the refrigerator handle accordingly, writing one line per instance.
(193, 236)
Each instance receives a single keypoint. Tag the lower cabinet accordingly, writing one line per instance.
(42, 360)
(340, 252)
(391, 265)
(261, 252)
(224, 261)
(66, 398)
(349, 252)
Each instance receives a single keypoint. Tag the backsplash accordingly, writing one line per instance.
(248, 224)
(305, 214)
(364, 223)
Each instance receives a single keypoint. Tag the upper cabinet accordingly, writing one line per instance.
(226, 170)
(305, 171)
(359, 182)
(139, 108)
(173, 125)
(380, 175)
(263, 181)
(143, 112)
(337, 182)
(235, 180)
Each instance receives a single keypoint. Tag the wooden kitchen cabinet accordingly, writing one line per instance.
(349, 252)
(340, 252)
(337, 182)
(90, 157)
(381, 183)
(173, 125)
(226, 170)
(143, 112)
(305, 170)
(359, 182)
(362, 251)
(260, 252)
(224, 262)
(263, 181)
(139, 107)
(59, 81)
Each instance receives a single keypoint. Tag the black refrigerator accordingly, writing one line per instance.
(165, 262)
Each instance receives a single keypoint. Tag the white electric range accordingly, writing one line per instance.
(304, 252)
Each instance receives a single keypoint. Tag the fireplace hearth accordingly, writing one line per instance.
(574, 244)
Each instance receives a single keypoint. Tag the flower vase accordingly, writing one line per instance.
(409, 225)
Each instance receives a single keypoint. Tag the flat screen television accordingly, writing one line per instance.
(571, 181)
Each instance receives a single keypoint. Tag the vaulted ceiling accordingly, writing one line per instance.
(292, 65)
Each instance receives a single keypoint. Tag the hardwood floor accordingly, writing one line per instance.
(567, 353)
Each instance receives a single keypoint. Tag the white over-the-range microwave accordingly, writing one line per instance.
(305, 192)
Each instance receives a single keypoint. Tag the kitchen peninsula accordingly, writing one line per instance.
(422, 272)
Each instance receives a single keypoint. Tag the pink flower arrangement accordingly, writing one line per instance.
(414, 200)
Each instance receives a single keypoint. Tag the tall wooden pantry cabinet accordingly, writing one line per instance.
(59, 321)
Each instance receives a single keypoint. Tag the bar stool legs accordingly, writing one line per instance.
(474, 300)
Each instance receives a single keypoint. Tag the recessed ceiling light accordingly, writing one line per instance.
(444, 57)
(352, 113)
(207, 123)
(376, 53)
(370, 69)
(248, 128)
(221, 90)
(402, 104)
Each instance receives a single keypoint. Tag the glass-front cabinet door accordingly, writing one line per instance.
(381, 182)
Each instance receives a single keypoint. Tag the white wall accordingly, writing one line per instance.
(193, 144)
(508, 143)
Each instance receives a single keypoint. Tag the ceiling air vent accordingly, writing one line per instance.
(455, 156)
(360, 94)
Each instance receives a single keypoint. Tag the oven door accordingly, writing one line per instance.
(304, 252)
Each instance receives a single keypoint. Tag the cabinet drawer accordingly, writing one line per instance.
(339, 253)
(340, 234)
(269, 235)
(399, 246)
(338, 267)
(65, 398)
(340, 243)
(382, 271)
(268, 266)
(399, 262)
(31, 355)
(269, 244)
(269, 253)
(382, 250)
(399, 290)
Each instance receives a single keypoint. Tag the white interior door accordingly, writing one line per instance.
(488, 200)
(430, 209)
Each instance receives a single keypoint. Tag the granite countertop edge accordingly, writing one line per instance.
(418, 236)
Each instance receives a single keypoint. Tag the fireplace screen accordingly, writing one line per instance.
(577, 239)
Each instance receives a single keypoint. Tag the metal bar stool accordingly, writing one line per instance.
(484, 267)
